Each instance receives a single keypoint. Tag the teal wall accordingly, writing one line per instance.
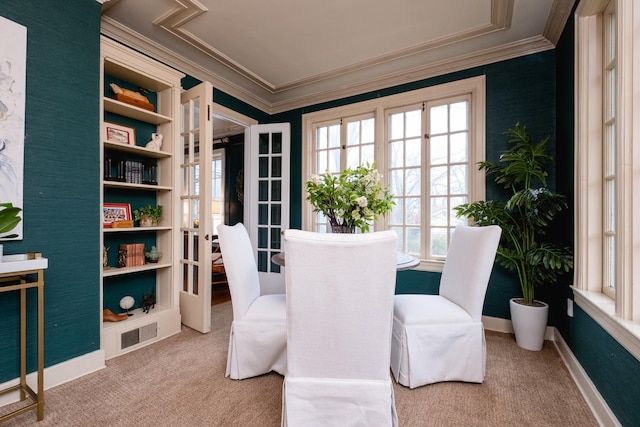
(519, 90)
(614, 371)
(61, 185)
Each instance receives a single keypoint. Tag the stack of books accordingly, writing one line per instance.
(131, 255)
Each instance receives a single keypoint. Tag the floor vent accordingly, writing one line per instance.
(136, 336)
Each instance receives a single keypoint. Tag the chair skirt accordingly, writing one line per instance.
(330, 402)
(258, 342)
(427, 352)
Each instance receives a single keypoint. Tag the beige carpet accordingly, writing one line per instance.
(180, 382)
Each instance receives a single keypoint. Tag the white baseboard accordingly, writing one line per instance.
(504, 325)
(58, 374)
(594, 399)
(597, 404)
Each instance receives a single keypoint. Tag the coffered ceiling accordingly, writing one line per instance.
(282, 54)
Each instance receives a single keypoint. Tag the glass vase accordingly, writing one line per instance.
(343, 228)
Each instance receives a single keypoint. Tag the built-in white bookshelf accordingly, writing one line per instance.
(127, 67)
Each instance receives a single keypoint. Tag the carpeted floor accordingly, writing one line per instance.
(180, 382)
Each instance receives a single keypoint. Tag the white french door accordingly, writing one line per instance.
(266, 207)
(195, 167)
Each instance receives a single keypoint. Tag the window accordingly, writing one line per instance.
(426, 143)
(607, 168)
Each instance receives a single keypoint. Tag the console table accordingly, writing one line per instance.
(19, 273)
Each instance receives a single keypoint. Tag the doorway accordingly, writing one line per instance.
(227, 187)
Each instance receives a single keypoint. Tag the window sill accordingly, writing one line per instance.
(602, 309)
(432, 266)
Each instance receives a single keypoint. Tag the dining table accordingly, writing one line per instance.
(404, 261)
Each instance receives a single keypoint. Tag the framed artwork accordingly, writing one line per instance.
(13, 62)
(112, 212)
(119, 133)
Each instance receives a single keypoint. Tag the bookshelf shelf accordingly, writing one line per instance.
(118, 271)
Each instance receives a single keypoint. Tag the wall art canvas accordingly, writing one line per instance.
(13, 57)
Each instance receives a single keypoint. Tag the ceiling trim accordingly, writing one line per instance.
(186, 10)
(556, 22)
(113, 29)
(480, 58)
(558, 16)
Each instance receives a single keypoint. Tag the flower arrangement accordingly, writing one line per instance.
(354, 198)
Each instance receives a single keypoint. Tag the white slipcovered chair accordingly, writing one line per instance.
(340, 291)
(441, 337)
(258, 338)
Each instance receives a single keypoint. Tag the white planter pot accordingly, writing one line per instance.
(529, 323)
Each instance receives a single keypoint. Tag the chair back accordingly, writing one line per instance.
(240, 267)
(468, 266)
(339, 291)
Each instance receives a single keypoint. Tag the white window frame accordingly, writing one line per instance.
(620, 315)
(474, 86)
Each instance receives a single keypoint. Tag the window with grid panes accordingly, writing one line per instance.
(342, 144)
(429, 173)
(426, 144)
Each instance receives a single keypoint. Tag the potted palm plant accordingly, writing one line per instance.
(525, 218)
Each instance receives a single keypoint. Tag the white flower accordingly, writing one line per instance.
(362, 201)
(316, 179)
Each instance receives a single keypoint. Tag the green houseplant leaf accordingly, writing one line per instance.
(526, 216)
(9, 219)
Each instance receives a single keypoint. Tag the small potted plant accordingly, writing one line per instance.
(149, 216)
(9, 219)
(525, 219)
(354, 198)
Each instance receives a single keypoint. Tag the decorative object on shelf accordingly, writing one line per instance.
(126, 303)
(148, 301)
(155, 143)
(122, 258)
(148, 216)
(131, 97)
(110, 316)
(153, 255)
(105, 258)
(113, 132)
(9, 219)
(525, 219)
(354, 198)
(122, 224)
(114, 212)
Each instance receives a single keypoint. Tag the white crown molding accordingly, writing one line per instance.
(558, 16)
(134, 40)
(175, 20)
(488, 56)
(266, 103)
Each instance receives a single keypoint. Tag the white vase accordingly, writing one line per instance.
(529, 323)
(1, 253)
